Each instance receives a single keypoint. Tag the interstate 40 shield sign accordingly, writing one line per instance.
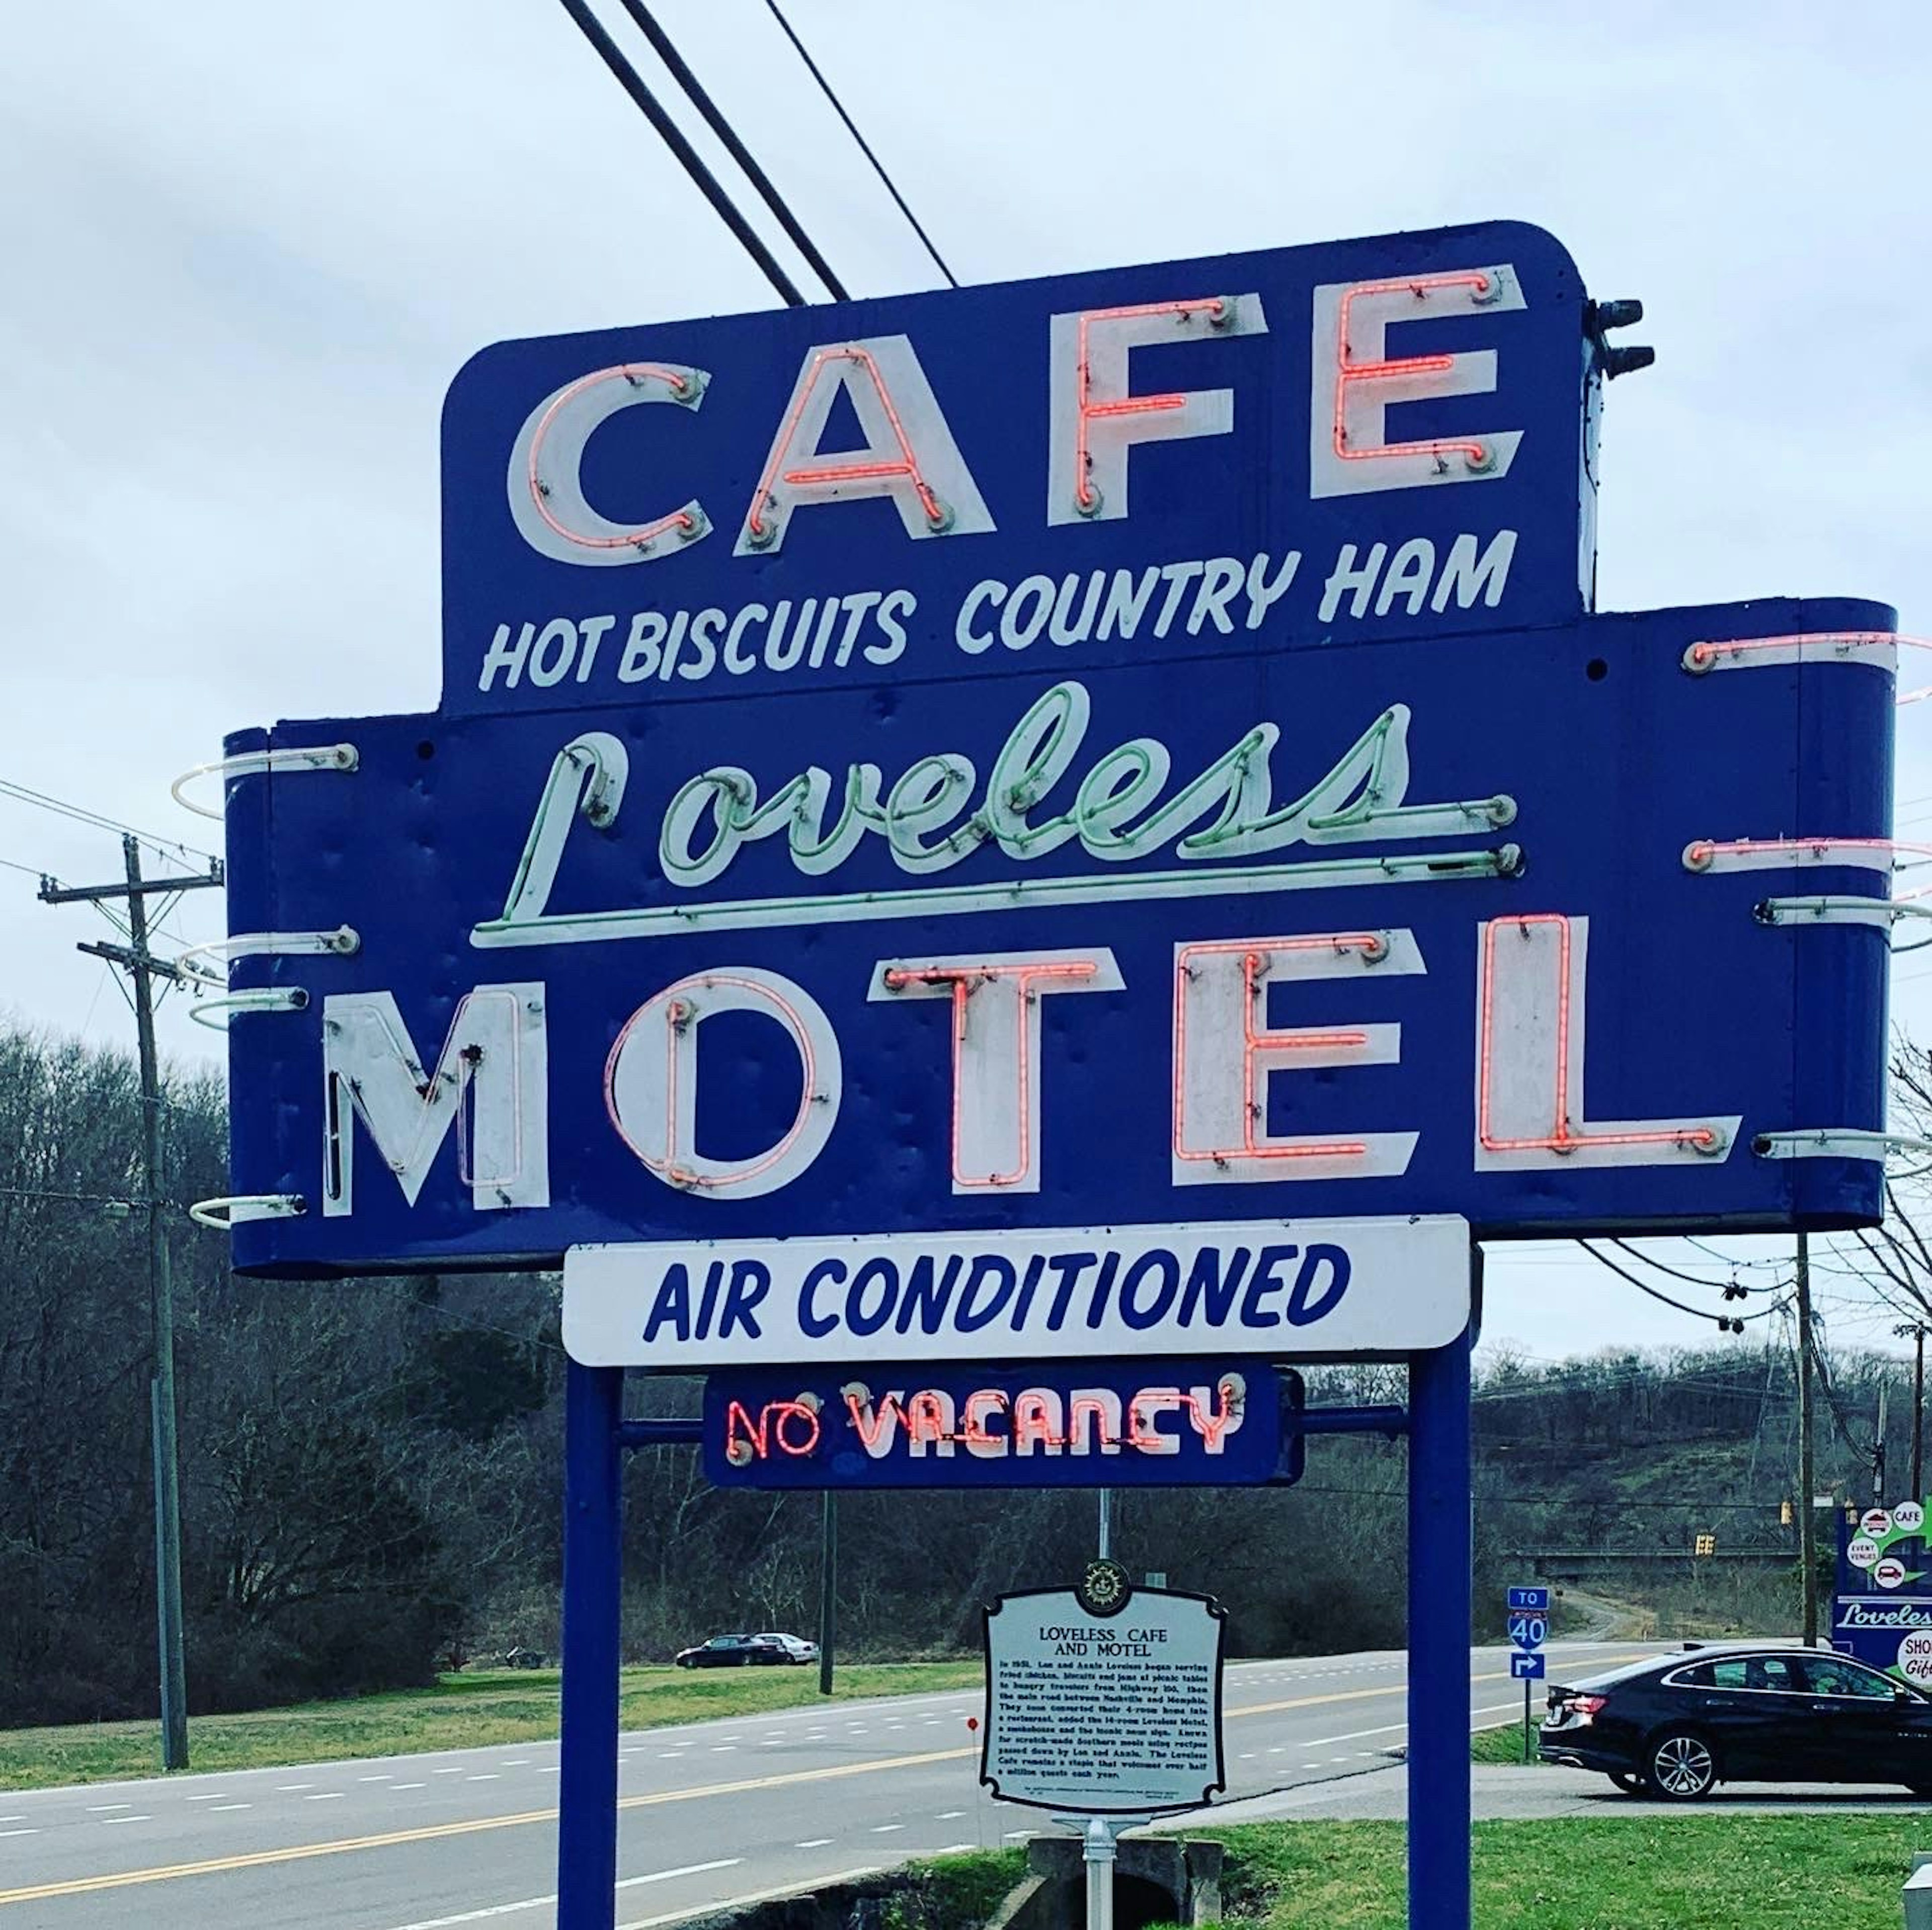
(1111, 775)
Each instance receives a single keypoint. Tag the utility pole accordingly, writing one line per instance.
(1808, 1473)
(1878, 1452)
(828, 1589)
(1916, 1328)
(144, 968)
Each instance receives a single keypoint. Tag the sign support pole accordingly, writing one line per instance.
(1440, 1554)
(828, 1589)
(1098, 1853)
(586, 1835)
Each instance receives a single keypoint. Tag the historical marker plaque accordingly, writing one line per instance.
(1100, 1711)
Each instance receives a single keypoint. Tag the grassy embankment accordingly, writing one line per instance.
(1697, 1871)
(1502, 1745)
(475, 1709)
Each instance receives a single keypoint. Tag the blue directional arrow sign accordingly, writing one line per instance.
(1529, 1598)
(1527, 1667)
(1528, 1631)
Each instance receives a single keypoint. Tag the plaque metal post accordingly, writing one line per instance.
(1097, 1852)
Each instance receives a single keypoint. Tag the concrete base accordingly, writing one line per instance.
(1156, 1880)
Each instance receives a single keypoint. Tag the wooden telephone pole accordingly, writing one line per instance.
(145, 968)
(1807, 1467)
(1915, 1332)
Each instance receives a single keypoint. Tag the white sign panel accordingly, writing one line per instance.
(1284, 1287)
(1099, 1714)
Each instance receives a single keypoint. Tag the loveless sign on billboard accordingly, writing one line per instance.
(1116, 777)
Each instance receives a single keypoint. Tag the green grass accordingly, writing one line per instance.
(953, 1893)
(475, 1709)
(1501, 1745)
(1697, 1871)
(1691, 1872)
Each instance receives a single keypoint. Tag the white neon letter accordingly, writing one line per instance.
(1531, 974)
(1093, 419)
(495, 1057)
(1224, 1050)
(909, 455)
(650, 1082)
(546, 481)
(1355, 381)
(995, 1046)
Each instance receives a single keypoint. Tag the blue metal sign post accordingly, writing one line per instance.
(1441, 1551)
(1089, 820)
(586, 1863)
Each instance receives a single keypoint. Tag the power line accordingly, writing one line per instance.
(79, 1199)
(851, 127)
(687, 157)
(1831, 1401)
(1725, 1259)
(1692, 1279)
(714, 117)
(1697, 1313)
(81, 814)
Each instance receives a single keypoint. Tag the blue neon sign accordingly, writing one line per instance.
(854, 812)
(1205, 1422)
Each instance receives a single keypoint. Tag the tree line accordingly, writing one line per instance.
(371, 1469)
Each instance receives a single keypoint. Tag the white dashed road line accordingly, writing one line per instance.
(544, 1902)
(688, 1869)
(221, 1808)
(817, 1843)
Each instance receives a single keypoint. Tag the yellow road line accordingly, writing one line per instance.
(301, 1852)
(297, 1852)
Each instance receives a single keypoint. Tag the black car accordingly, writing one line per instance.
(1677, 1725)
(734, 1652)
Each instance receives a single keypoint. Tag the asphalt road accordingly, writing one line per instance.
(711, 1813)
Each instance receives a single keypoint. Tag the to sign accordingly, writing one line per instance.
(1536, 1598)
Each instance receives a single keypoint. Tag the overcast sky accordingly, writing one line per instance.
(248, 244)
